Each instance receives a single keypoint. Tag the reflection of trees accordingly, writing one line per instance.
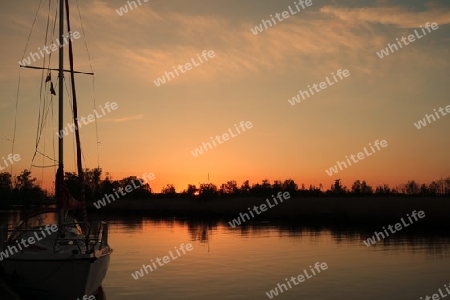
(201, 231)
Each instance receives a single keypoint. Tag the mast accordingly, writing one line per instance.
(61, 87)
(60, 174)
(75, 120)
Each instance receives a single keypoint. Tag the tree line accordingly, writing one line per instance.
(22, 189)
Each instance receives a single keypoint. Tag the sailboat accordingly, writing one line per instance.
(50, 254)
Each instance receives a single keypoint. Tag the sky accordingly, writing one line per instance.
(250, 77)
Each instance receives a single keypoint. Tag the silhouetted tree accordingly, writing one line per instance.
(245, 188)
(290, 186)
(208, 189)
(337, 187)
(447, 186)
(169, 190)
(424, 190)
(384, 189)
(412, 188)
(138, 190)
(25, 188)
(92, 180)
(24, 181)
(230, 187)
(5, 187)
(434, 188)
(191, 190)
(5, 182)
(72, 182)
(366, 189)
(356, 187)
(277, 186)
(261, 189)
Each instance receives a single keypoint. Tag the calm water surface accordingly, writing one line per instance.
(247, 262)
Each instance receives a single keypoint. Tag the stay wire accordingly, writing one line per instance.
(19, 81)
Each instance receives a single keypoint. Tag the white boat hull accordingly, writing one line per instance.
(58, 277)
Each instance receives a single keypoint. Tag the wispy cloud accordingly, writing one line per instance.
(398, 16)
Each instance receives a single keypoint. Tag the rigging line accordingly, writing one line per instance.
(85, 38)
(50, 105)
(96, 124)
(15, 117)
(43, 154)
(43, 86)
(40, 130)
(43, 160)
(42, 167)
(31, 31)
(93, 81)
(53, 33)
(45, 112)
(40, 117)
(18, 84)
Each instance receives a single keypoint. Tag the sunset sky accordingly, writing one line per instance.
(250, 78)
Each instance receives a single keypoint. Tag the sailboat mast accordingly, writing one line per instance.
(60, 173)
(75, 120)
(61, 88)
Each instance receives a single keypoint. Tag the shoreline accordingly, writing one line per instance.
(320, 210)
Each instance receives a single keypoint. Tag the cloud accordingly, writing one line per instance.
(147, 42)
(397, 16)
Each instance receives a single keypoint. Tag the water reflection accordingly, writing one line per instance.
(415, 238)
(434, 243)
(264, 252)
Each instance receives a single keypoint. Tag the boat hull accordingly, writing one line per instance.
(58, 277)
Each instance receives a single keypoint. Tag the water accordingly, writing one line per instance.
(247, 262)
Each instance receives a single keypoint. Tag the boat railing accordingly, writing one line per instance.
(98, 235)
